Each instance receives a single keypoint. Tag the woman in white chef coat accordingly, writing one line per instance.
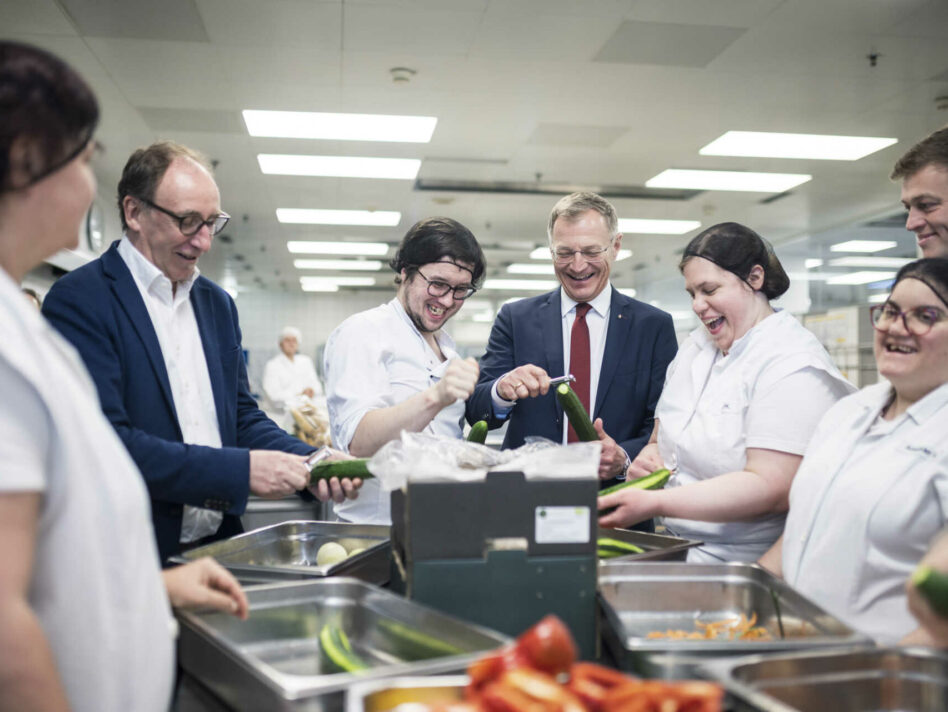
(85, 623)
(740, 402)
(872, 491)
(289, 379)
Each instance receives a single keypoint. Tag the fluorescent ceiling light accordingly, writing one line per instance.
(682, 315)
(657, 227)
(878, 298)
(342, 265)
(863, 246)
(319, 287)
(475, 304)
(860, 277)
(895, 262)
(543, 253)
(317, 247)
(727, 180)
(341, 281)
(791, 145)
(339, 127)
(483, 317)
(339, 166)
(812, 262)
(371, 218)
(536, 285)
(528, 268)
(630, 292)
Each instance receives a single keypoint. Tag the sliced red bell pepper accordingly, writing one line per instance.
(590, 683)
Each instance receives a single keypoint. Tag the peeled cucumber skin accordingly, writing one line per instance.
(655, 480)
(933, 585)
(340, 468)
(478, 433)
(576, 414)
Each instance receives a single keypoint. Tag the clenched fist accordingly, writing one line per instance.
(458, 381)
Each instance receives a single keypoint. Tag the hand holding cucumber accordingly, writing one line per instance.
(341, 483)
(527, 381)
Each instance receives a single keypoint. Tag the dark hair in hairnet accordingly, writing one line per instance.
(932, 271)
(737, 249)
(438, 240)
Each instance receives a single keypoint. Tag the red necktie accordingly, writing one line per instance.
(579, 361)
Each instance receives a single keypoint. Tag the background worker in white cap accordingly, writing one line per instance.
(290, 380)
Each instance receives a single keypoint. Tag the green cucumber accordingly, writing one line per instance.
(933, 585)
(335, 645)
(478, 433)
(410, 644)
(576, 413)
(655, 480)
(340, 468)
(608, 548)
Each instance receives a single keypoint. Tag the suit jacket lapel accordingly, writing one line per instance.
(617, 332)
(550, 323)
(204, 315)
(130, 299)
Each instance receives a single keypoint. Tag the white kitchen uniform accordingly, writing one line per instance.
(95, 585)
(376, 359)
(866, 502)
(283, 384)
(769, 392)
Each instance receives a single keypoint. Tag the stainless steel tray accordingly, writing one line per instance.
(638, 598)
(658, 547)
(287, 551)
(903, 679)
(385, 695)
(273, 660)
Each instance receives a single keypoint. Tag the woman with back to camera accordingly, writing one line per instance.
(740, 402)
(85, 623)
(872, 492)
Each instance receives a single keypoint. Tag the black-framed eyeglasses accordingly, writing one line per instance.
(191, 223)
(918, 321)
(437, 288)
(590, 254)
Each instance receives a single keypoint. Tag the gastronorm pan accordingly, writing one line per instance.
(658, 547)
(273, 660)
(846, 680)
(287, 551)
(642, 598)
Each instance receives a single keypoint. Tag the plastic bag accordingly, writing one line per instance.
(420, 457)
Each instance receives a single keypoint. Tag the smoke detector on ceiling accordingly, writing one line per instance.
(402, 75)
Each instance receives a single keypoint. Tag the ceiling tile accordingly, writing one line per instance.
(274, 24)
(40, 17)
(161, 119)
(670, 44)
(573, 135)
(139, 19)
(398, 30)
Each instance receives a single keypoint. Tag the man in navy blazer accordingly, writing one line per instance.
(631, 345)
(164, 348)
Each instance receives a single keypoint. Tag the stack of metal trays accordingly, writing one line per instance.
(658, 547)
(903, 679)
(287, 552)
(639, 599)
(274, 660)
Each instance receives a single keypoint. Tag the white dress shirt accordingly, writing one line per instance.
(866, 502)
(376, 359)
(597, 319)
(94, 580)
(283, 384)
(172, 317)
(769, 392)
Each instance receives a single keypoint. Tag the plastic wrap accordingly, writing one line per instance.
(420, 457)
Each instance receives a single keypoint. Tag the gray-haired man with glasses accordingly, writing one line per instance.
(163, 346)
(394, 367)
(617, 348)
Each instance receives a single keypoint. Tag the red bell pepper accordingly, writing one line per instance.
(590, 683)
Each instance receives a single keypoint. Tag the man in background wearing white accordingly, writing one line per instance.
(290, 380)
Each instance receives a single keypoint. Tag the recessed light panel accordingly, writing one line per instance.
(727, 180)
(528, 268)
(790, 145)
(860, 278)
(340, 265)
(657, 227)
(321, 247)
(521, 284)
(339, 166)
(371, 218)
(872, 262)
(337, 281)
(340, 127)
(863, 246)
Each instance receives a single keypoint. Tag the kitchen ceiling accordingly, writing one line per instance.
(531, 96)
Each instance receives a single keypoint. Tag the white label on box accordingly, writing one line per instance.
(561, 525)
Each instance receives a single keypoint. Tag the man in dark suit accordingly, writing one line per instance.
(617, 347)
(164, 349)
